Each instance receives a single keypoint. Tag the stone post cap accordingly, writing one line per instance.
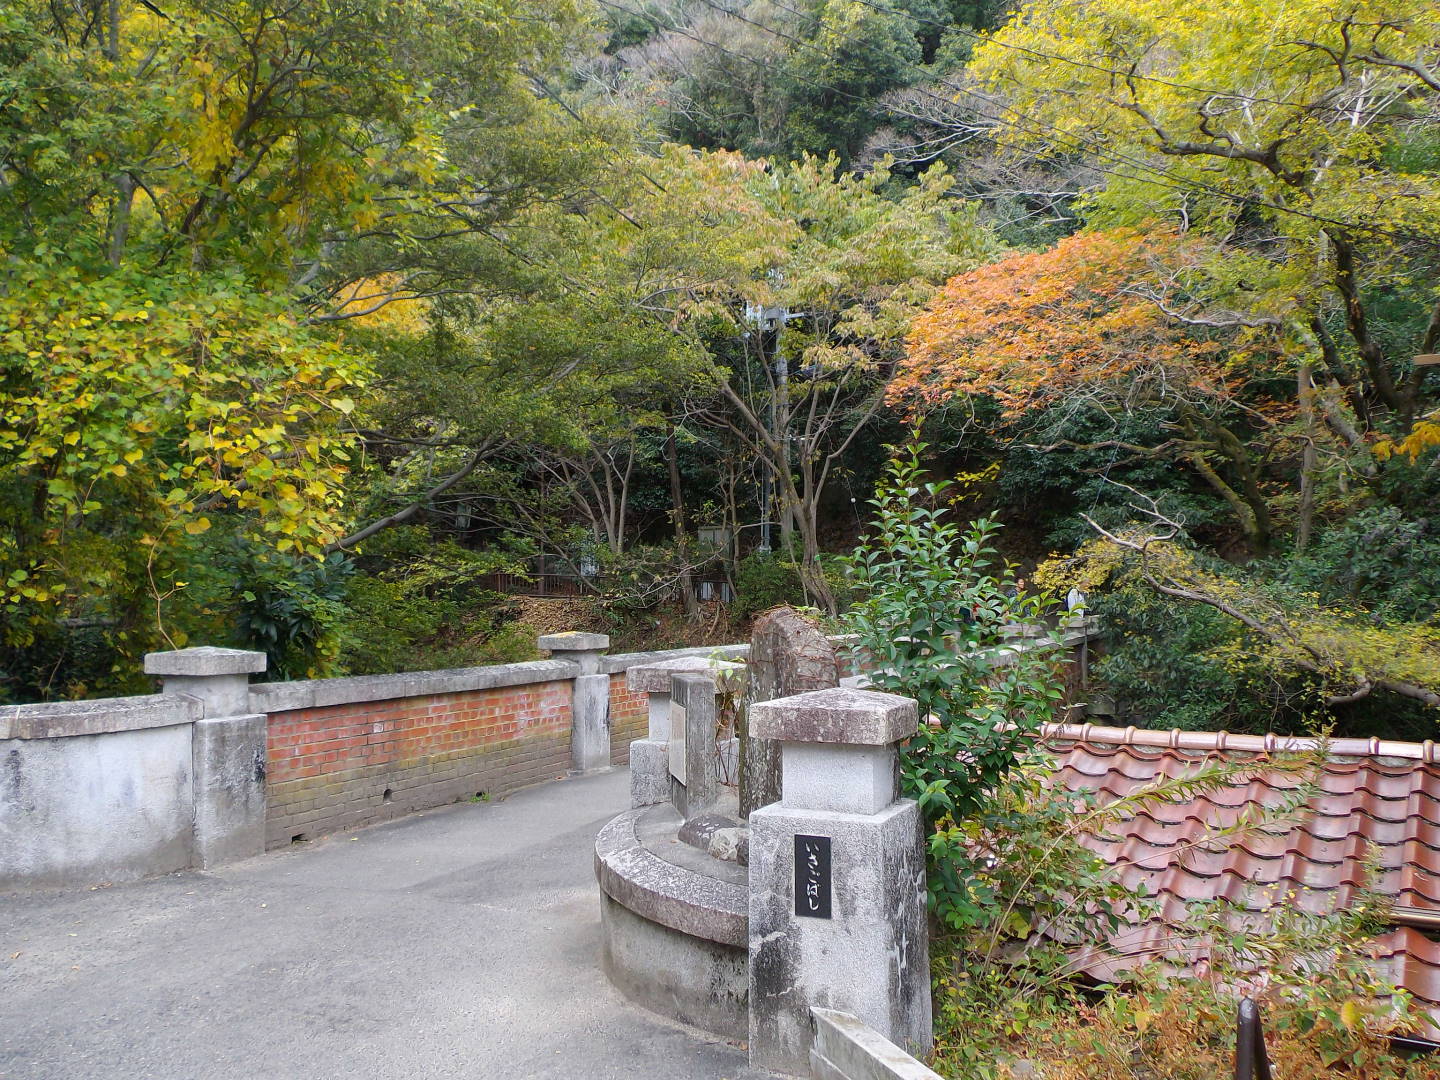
(204, 660)
(574, 641)
(838, 715)
(655, 678)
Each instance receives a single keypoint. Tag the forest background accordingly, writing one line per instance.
(321, 320)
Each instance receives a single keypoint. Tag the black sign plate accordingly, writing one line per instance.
(812, 876)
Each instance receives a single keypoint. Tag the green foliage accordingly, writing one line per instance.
(137, 412)
(190, 200)
(1287, 648)
(935, 619)
(855, 53)
(1169, 664)
(1064, 462)
(419, 604)
(1376, 558)
(767, 579)
(293, 610)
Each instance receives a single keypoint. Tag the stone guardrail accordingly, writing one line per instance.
(216, 767)
(846, 1049)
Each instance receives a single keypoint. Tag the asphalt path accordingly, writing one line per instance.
(462, 943)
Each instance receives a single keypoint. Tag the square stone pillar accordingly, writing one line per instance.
(227, 747)
(590, 706)
(650, 756)
(837, 878)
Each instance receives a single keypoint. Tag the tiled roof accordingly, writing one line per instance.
(1376, 799)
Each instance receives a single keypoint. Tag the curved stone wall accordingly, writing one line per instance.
(674, 923)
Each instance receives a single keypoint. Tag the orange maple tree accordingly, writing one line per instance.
(1085, 316)
(1109, 320)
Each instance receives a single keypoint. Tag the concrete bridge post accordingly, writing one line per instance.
(227, 747)
(590, 707)
(837, 878)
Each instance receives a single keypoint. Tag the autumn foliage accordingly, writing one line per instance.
(1082, 316)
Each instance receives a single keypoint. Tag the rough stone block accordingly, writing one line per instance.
(868, 959)
(837, 715)
(649, 772)
(658, 716)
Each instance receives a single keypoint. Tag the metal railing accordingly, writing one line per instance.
(1251, 1061)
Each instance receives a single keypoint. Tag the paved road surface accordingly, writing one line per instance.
(458, 943)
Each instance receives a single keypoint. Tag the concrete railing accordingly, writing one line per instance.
(216, 768)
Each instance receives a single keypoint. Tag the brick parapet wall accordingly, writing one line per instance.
(629, 718)
(349, 752)
(340, 766)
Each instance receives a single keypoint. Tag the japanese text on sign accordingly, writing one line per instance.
(812, 876)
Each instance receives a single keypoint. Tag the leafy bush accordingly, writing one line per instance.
(1377, 558)
(933, 619)
(1172, 664)
(767, 579)
(1196, 642)
(292, 609)
(421, 604)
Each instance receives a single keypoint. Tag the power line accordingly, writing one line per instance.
(1047, 131)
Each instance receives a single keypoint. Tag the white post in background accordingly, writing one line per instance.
(590, 707)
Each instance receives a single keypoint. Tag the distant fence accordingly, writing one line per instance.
(560, 585)
(549, 585)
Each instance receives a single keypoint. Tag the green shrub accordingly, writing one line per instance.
(1377, 558)
(1173, 664)
(418, 605)
(933, 609)
(766, 579)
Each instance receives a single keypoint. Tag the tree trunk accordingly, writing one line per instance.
(1306, 516)
(677, 513)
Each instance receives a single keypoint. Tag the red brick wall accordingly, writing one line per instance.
(629, 718)
(342, 766)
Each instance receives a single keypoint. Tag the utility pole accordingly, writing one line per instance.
(768, 322)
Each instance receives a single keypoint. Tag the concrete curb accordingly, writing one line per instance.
(845, 1049)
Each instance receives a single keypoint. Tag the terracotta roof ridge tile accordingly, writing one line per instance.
(1229, 742)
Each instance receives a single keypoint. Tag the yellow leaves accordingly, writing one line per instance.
(1424, 436)
(1350, 1015)
(393, 308)
(115, 409)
